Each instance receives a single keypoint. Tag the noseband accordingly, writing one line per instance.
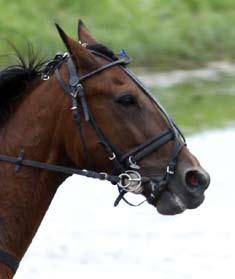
(126, 167)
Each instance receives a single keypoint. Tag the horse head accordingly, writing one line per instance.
(123, 131)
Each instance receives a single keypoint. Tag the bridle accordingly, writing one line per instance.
(125, 172)
(125, 165)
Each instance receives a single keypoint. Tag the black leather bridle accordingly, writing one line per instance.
(125, 165)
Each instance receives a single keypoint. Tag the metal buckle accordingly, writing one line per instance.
(168, 170)
(65, 55)
(45, 77)
(74, 93)
(105, 175)
(74, 108)
(112, 157)
(130, 181)
(79, 86)
(132, 164)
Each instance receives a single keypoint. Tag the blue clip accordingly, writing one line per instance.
(123, 53)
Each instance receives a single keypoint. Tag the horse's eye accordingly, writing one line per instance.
(127, 100)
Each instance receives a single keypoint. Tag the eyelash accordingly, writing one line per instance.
(127, 100)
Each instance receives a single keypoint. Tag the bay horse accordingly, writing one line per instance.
(84, 112)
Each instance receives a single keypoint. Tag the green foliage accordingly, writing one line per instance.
(165, 33)
(159, 33)
(199, 105)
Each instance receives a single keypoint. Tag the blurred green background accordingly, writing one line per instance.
(158, 34)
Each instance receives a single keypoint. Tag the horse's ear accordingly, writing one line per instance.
(81, 56)
(84, 35)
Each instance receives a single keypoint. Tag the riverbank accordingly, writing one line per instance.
(212, 71)
(198, 99)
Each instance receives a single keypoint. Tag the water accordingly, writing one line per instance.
(214, 71)
(82, 234)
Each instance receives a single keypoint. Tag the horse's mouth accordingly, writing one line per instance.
(170, 203)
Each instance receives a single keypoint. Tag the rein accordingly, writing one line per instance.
(125, 171)
(20, 161)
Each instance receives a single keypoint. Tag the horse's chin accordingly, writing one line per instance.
(170, 203)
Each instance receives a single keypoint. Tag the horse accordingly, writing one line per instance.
(84, 112)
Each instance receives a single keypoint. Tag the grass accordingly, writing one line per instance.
(166, 33)
(200, 105)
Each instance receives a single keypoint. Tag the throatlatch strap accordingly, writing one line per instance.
(9, 260)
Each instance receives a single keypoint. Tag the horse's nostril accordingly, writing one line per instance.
(195, 178)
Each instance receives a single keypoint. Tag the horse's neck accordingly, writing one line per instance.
(26, 195)
(5, 272)
(22, 208)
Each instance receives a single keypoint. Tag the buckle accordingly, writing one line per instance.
(170, 169)
(132, 164)
(112, 156)
(105, 175)
(131, 181)
(45, 77)
(74, 93)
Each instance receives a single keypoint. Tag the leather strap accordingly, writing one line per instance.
(57, 168)
(9, 260)
(149, 146)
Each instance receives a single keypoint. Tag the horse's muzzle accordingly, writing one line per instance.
(196, 180)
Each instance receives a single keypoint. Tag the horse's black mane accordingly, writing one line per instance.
(15, 79)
